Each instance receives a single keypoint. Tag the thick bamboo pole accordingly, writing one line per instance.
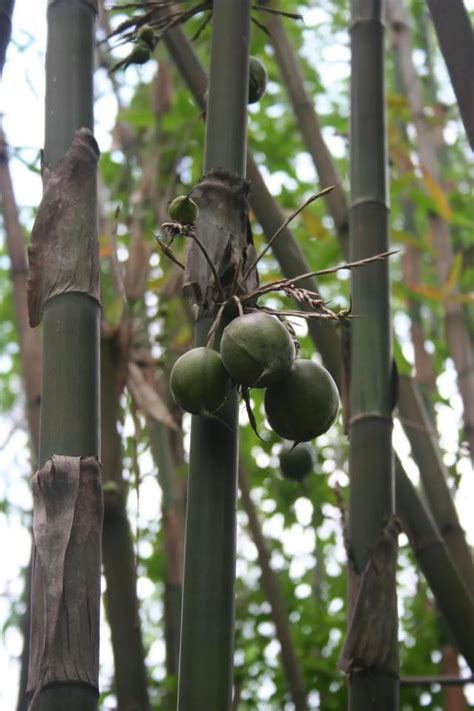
(371, 505)
(206, 650)
(63, 291)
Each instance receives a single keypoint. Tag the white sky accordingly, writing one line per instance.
(21, 103)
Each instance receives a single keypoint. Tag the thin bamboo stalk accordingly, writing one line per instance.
(457, 335)
(371, 501)
(310, 127)
(30, 355)
(29, 340)
(206, 650)
(419, 430)
(117, 546)
(272, 588)
(453, 596)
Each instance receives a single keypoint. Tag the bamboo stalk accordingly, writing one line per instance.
(457, 335)
(30, 354)
(371, 501)
(117, 546)
(270, 583)
(456, 41)
(174, 536)
(206, 650)
(60, 676)
(419, 430)
(309, 125)
(29, 340)
(454, 598)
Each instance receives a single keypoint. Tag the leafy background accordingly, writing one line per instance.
(303, 523)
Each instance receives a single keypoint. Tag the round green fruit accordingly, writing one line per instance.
(183, 209)
(257, 350)
(199, 382)
(303, 405)
(258, 78)
(296, 462)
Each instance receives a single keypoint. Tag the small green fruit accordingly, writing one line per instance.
(257, 350)
(199, 382)
(183, 209)
(147, 35)
(304, 404)
(258, 78)
(296, 463)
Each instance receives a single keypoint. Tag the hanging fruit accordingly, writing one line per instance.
(304, 404)
(199, 382)
(258, 78)
(183, 209)
(257, 349)
(296, 463)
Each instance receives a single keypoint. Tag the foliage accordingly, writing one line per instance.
(155, 156)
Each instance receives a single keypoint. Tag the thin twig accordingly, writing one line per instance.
(277, 285)
(275, 11)
(168, 253)
(215, 325)
(291, 217)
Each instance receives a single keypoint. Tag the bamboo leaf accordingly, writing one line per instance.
(436, 192)
(454, 275)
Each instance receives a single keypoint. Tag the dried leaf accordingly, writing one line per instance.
(63, 254)
(146, 398)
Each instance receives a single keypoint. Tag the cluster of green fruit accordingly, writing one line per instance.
(301, 398)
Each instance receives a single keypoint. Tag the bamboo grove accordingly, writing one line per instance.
(304, 168)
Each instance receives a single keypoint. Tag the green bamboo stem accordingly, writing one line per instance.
(456, 41)
(70, 399)
(70, 405)
(454, 598)
(206, 650)
(370, 429)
